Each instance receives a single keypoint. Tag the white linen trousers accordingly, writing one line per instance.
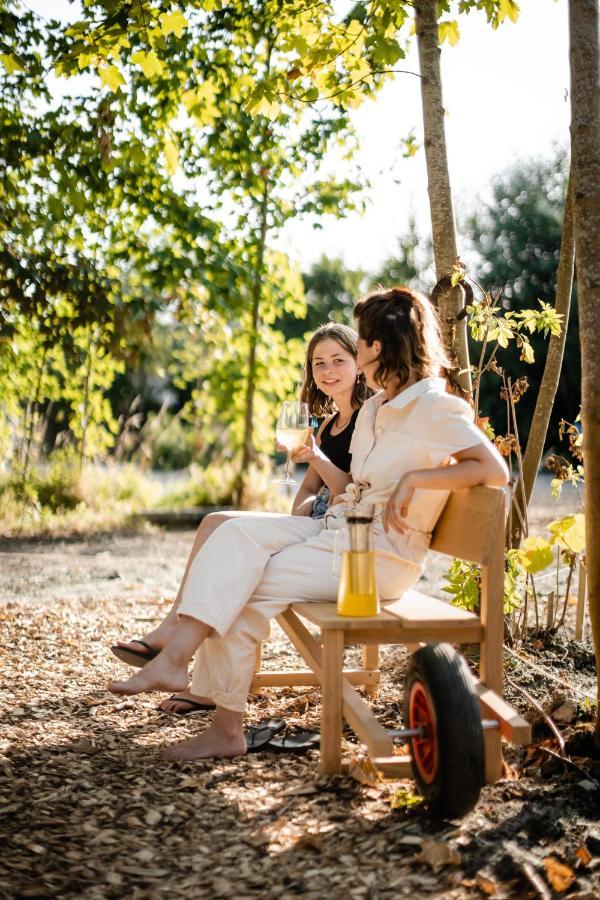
(248, 571)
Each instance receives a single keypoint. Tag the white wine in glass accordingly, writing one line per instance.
(293, 429)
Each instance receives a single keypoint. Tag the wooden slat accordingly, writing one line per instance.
(325, 616)
(303, 677)
(370, 655)
(391, 767)
(388, 629)
(512, 726)
(416, 610)
(467, 523)
(355, 711)
(332, 658)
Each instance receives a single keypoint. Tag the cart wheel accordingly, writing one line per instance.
(448, 762)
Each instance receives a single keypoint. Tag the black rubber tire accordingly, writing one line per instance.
(460, 772)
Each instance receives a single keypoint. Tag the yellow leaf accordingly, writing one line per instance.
(267, 108)
(527, 354)
(535, 554)
(569, 532)
(11, 63)
(173, 22)
(448, 31)
(508, 9)
(171, 156)
(111, 76)
(149, 62)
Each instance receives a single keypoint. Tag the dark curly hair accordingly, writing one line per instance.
(319, 403)
(407, 327)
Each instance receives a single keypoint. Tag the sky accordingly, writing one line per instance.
(506, 99)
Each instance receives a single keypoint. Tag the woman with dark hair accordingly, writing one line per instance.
(413, 443)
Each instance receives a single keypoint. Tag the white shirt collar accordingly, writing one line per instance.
(411, 393)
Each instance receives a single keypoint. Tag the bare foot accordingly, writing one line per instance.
(211, 743)
(178, 704)
(156, 639)
(160, 674)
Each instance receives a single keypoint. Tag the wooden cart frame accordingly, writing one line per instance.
(471, 527)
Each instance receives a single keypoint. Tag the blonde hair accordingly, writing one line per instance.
(319, 403)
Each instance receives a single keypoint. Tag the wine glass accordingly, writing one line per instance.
(293, 428)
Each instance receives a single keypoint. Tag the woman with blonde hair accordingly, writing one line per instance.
(334, 389)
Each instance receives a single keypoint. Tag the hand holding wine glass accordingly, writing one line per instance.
(293, 428)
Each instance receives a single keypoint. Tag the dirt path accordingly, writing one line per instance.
(89, 809)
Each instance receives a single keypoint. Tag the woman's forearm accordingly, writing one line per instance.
(335, 479)
(303, 502)
(457, 477)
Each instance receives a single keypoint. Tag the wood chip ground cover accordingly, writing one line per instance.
(88, 808)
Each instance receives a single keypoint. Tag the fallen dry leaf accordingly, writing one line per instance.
(486, 884)
(584, 855)
(438, 854)
(361, 769)
(559, 875)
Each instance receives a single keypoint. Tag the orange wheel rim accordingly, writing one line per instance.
(424, 749)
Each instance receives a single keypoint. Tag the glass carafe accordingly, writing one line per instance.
(357, 592)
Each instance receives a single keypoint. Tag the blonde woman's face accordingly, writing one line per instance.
(334, 368)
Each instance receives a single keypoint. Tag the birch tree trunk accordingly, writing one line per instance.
(451, 300)
(552, 369)
(584, 23)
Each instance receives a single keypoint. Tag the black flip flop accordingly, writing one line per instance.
(137, 658)
(295, 742)
(258, 736)
(193, 704)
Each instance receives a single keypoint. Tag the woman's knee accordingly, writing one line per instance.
(211, 521)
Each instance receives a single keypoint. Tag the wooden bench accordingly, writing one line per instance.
(471, 527)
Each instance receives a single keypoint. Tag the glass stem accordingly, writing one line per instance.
(287, 466)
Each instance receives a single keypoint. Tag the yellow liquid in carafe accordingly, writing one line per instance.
(357, 593)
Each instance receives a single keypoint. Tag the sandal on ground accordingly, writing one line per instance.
(137, 658)
(258, 736)
(193, 704)
(295, 741)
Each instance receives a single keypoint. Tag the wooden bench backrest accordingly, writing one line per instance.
(470, 524)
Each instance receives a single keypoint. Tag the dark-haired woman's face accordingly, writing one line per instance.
(367, 359)
(334, 368)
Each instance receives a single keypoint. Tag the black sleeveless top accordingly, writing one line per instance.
(336, 447)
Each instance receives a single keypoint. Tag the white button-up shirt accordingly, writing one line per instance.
(420, 428)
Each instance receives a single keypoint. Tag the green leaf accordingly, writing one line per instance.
(112, 77)
(536, 554)
(148, 62)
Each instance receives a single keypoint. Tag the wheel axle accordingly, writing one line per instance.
(422, 732)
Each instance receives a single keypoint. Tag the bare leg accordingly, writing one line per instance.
(165, 630)
(169, 670)
(224, 737)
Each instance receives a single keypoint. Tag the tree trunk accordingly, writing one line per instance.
(585, 168)
(552, 370)
(451, 300)
(248, 447)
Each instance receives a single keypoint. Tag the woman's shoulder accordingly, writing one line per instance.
(324, 426)
(437, 399)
